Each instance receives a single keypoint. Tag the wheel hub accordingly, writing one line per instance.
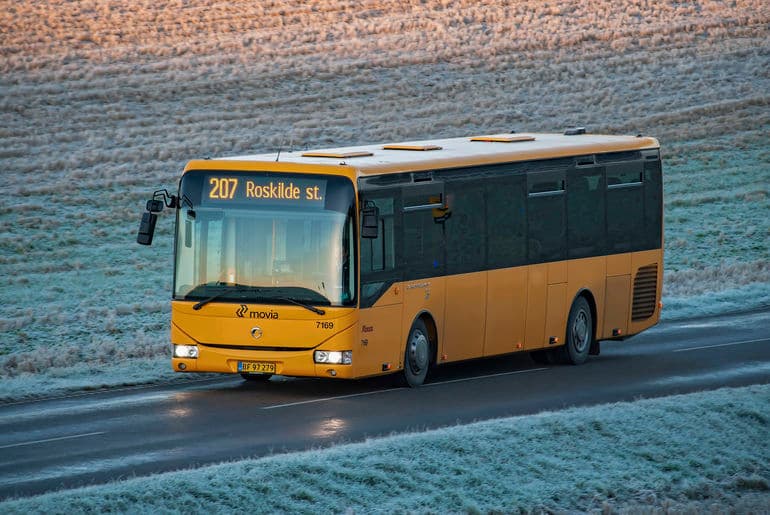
(580, 331)
(418, 352)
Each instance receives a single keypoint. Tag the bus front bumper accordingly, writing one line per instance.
(236, 361)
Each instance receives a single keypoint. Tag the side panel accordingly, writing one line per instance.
(619, 264)
(379, 335)
(556, 303)
(618, 295)
(616, 312)
(506, 310)
(556, 321)
(465, 316)
(536, 306)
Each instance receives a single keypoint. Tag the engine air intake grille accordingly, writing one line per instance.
(645, 288)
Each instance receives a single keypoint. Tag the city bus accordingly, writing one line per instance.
(397, 258)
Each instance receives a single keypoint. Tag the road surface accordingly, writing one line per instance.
(93, 438)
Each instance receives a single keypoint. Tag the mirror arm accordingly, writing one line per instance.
(168, 199)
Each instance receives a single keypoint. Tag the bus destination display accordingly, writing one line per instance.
(270, 190)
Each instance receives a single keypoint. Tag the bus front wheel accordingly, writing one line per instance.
(417, 354)
(580, 332)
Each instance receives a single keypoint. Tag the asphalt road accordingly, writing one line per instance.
(93, 438)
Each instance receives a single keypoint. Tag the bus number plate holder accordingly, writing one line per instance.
(256, 367)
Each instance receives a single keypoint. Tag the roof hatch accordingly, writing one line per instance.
(336, 155)
(503, 138)
(399, 146)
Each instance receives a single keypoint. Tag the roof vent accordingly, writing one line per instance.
(575, 131)
(398, 146)
(336, 154)
(503, 138)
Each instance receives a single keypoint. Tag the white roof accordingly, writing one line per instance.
(458, 152)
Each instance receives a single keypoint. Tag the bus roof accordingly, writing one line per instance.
(453, 152)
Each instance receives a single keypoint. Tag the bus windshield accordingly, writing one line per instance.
(266, 237)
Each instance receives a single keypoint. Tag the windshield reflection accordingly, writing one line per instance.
(239, 249)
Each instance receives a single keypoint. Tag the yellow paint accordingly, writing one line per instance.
(465, 316)
(536, 306)
(617, 306)
(506, 310)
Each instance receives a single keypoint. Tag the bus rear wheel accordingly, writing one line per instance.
(580, 332)
(417, 355)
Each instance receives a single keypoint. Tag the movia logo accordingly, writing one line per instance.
(241, 313)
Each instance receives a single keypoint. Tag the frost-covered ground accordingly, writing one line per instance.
(102, 102)
(697, 453)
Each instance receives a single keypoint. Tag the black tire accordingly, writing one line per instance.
(417, 356)
(580, 332)
(257, 378)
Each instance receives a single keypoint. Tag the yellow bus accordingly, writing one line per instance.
(360, 261)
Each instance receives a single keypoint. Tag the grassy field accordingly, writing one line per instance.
(102, 102)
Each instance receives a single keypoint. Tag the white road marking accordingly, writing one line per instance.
(35, 442)
(722, 345)
(486, 376)
(325, 399)
(311, 401)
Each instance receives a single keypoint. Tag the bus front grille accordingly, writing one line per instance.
(645, 289)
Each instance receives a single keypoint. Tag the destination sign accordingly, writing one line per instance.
(270, 190)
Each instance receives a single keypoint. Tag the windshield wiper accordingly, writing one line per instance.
(306, 306)
(238, 288)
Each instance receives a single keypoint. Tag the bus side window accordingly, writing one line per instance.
(585, 212)
(507, 221)
(625, 207)
(546, 216)
(465, 230)
(653, 199)
(423, 238)
(378, 254)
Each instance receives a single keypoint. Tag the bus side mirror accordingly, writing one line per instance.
(159, 199)
(154, 206)
(146, 228)
(370, 222)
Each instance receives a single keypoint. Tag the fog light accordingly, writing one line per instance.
(185, 351)
(333, 357)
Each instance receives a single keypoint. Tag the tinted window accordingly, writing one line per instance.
(506, 209)
(546, 216)
(379, 254)
(380, 265)
(465, 229)
(585, 212)
(653, 200)
(423, 238)
(625, 207)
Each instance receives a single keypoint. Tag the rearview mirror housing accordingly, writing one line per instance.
(154, 206)
(146, 228)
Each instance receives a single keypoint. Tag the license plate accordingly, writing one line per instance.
(256, 367)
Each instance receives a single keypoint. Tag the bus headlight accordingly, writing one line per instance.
(333, 357)
(185, 351)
